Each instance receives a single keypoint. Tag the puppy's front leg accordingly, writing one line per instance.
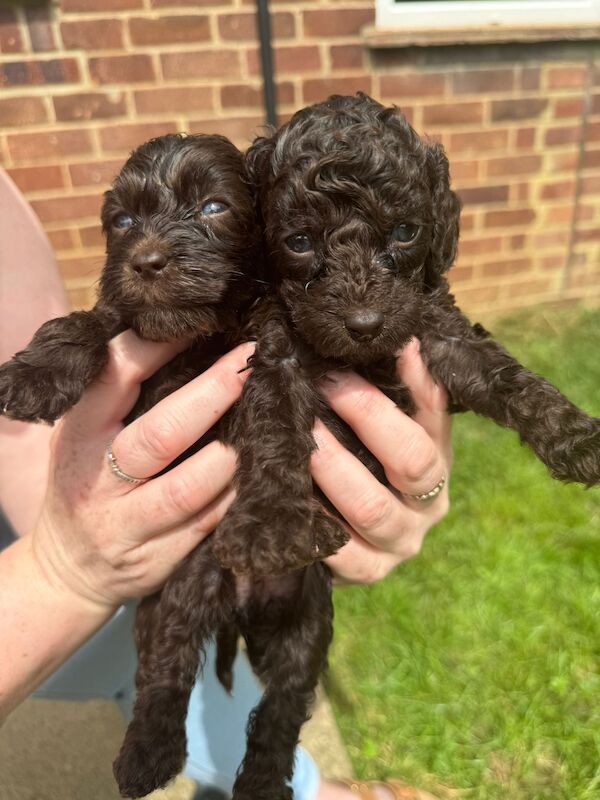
(47, 378)
(482, 377)
(271, 527)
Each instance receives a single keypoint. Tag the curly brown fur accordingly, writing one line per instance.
(171, 270)
(351, 178)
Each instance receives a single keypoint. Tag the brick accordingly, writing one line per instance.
(477, 295)
(453, 114)
(242, 27)
(559, 215)
(567, 107)
(591, 159)
(81, 267)
(202, 64)
(36, 73)
(10, 35)
(592, 132)
(514, 165)
(525, 108)
(595, 104)
(412, 85)
(460, 274)
(33, 179)
(94, 173)
(557, 191)
(194, 3)
(501, 219)
(91, 236)
(41, 33)
(241, 130)
(65, 239)
(558, 136)
(61, 209)
(590, 184)
(184, 99)
(50, 144)
(121, 69)
(525, 138)
(99, 8)
(347, 56)
(551, 239)
(551, 263)
(346, 21)
(18, 111)
(237, 95)
(296, 60)
(567, 77)
(513, 266)
(91, 105)
(464, 170)
(484, 194)
(532, 287)
(92, 34)
(518, 241)
(169, 30)
(476, 247)
(320, 88)
(483, 81)
(128, 137)
(592, 235)
(563, 162)
(531, 79)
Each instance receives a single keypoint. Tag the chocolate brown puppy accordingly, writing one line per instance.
(361, 226)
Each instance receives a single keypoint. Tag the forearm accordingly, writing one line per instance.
(42, 622)
(31, 292)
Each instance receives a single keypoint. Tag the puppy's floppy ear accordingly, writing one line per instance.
(258, 161)
(446, 213)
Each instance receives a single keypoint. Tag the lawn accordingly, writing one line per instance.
(475, 666)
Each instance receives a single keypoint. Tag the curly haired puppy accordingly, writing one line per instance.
(360, 226)
(181, 233)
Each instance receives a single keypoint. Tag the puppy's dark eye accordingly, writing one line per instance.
(299, 243)
(213, 207)
(122, 222)
(405, 233)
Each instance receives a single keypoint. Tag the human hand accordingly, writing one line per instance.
(107, 540)
(386, 525)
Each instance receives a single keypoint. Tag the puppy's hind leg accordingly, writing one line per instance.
(287, 646)
(172, 630)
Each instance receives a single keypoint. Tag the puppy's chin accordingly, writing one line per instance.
(161, 324)
(339, 345)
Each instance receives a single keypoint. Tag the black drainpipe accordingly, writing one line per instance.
(266, 58)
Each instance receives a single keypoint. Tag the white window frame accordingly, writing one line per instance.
(455, 13)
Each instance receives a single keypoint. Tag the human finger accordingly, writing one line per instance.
(131, 360)
(412, 462)
(151, 442)
(182, 493)
(430, 397)
(358, 561)
(368, 506)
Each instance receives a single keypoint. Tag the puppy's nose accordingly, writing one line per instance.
(148, 264)
(364, 323)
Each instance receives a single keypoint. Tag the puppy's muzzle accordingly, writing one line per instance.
(364, 324)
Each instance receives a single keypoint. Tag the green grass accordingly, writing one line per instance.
(475, 666)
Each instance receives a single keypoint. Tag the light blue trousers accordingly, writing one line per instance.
(216, 722)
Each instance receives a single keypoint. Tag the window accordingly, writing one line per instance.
(456, 13)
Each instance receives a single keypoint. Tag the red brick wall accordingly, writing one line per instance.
(82, 82)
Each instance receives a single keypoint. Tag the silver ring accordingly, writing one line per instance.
(116, 469)
(431, 493)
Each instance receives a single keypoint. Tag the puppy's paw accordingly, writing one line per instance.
(254, 540)
(577, 456)
(329, 535)
(35, 394)
(143, 766)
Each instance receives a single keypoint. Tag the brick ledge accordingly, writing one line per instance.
(379, 38)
